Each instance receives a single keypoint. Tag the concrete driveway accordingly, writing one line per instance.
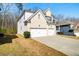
(68, 46)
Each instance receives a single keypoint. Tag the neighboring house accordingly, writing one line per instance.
(68, 28)
(38, 23)
(76, 31)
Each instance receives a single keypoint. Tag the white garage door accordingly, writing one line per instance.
(51, 32)
(38, 32)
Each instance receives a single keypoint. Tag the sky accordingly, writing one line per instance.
(66, 9)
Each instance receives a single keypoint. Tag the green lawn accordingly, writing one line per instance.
(25, 47)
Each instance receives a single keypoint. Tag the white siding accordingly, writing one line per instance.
(38, 26)
(76, 33)
(51, 30)
(20, 26)
(37, 22)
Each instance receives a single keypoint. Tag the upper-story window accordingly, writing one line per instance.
(38, 16)
(25, 23)
(39, 25)
(53, 21)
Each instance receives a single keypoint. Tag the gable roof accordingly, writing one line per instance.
(30, 11)
(63, 23)
(74, 23)
(21, 15)
(39, 10)
(34, 13)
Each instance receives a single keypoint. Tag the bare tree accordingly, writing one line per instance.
(19, 6)
(60, 17)
(4, 9)
(7, 19)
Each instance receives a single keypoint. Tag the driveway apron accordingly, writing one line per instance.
(68, 46)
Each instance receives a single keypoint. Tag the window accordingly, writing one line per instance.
(38, 16)
(53, 21)
(57, 27)
(70, 30)
(25, 23)
(39, 25)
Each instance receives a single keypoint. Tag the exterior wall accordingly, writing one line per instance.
(57, 28)
(76, 30)
(20, 25)
(48, 13)
(27, 27)
(52, 30)
(38, 22)
(71, 26)
(65, 30)
(76, 33)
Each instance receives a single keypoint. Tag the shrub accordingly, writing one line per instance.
(26, 34)
(1, 35)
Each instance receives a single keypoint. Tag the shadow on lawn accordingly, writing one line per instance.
(7, 39)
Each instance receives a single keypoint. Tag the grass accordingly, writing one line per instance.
(26, 47)
(11, 49)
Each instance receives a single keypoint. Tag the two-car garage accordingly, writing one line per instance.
(51, 31)
(38, 32)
